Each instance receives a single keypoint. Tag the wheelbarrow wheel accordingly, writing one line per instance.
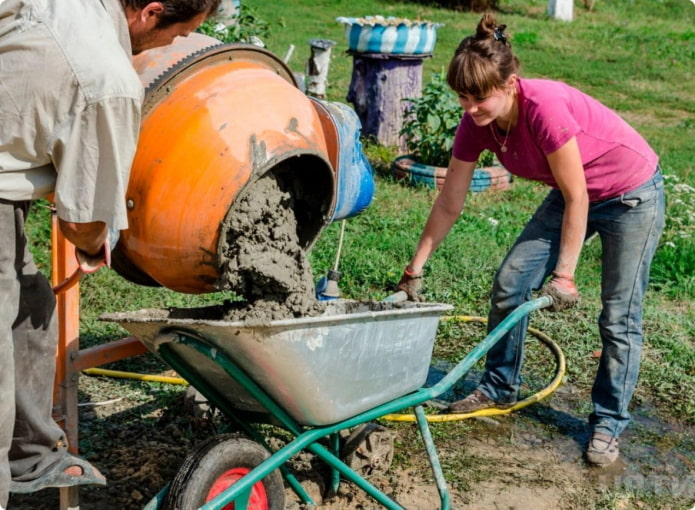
(214, 466)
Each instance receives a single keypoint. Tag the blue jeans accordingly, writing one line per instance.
(629, 227)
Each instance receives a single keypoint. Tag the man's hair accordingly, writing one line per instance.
(177, 11)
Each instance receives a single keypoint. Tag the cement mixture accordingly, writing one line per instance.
(262, 259)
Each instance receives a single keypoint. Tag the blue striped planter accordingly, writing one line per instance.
(394, 36)
(417, 174)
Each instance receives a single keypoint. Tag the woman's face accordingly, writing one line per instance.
(484, 110)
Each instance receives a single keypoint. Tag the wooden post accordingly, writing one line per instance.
(70, 360)
(317, 67)
(65, 388)
(380, 83)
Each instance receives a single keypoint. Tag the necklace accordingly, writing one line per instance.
(503, 143)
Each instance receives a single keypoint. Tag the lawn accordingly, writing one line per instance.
(636, 56)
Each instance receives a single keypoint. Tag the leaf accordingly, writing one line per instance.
(433, 122)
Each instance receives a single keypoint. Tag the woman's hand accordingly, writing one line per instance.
(562, 290)
(411, 284)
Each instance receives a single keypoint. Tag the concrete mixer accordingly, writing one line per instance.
(216, 118)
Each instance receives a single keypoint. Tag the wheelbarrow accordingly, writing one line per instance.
(314, 377)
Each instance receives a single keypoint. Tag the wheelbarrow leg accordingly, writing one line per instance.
(434, 458)
(64, 411)
(335, 474)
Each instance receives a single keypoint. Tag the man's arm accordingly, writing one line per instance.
(87, 237)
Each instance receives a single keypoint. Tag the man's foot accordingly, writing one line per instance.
(476, 401)
(602, 450)
(67, 472)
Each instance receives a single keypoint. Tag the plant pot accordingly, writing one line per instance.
(417, 174)
(394, 36)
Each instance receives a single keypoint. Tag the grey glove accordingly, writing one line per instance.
(562, 290)
(411, 284)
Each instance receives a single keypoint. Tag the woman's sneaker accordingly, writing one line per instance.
(602, 449)
(476, 401)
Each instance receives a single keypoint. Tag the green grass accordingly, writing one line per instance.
(636, 56)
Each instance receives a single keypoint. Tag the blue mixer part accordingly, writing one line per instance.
(321, 286)
(355, 177)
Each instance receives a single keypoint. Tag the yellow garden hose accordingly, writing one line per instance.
(130, 375)
(543, 393)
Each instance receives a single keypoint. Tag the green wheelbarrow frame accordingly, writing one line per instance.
(306, 438)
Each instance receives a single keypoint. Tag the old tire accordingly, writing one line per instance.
(418, 174)
(369, 449)
(216, 464)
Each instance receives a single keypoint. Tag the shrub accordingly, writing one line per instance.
(469, 5)
(430, 123)
(672, 269)
(244, 27)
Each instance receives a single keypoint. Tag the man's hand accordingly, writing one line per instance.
(89, 263)
(411, 284)
(562, 290)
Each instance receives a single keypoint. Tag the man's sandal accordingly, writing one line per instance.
(56, 476)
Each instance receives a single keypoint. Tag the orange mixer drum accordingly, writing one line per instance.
(215, 117)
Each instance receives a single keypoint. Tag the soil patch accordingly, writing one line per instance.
(531, 460)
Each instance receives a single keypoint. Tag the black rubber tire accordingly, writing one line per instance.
(209, 461)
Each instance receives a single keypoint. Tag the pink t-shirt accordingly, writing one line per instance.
(616, 158)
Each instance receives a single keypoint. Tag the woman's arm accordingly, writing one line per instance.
(445, 211)
(568, 171)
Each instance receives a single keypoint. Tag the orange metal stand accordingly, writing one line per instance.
(70, 360)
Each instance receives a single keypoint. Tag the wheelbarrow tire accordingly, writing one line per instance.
(214, 465)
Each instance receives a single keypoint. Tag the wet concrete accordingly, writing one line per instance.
(262, 259)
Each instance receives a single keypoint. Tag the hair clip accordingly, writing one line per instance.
(499, 34)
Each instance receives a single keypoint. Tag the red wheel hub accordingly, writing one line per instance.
(257, 499)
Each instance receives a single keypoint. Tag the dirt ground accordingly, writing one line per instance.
(139, 434)
(530, 460)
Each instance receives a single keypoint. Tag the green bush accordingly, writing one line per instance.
(469, 5)
(672, 269)
(430, 123)
(244, 27)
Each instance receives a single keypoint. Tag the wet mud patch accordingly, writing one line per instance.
(262, 258)
(526, 460)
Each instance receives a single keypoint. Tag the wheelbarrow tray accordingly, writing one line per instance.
(320, 370)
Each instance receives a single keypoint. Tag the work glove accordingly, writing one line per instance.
(91, 263)
(562, 290)
(411, 284)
